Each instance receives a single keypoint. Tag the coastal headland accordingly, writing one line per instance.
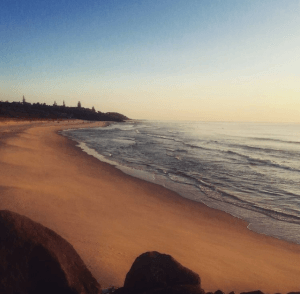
(110, 218)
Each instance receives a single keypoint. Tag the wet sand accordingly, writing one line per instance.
(110, 218)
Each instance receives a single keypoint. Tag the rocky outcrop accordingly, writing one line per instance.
(219, 292)
(34, 260)
(253, 292)
(153, 272)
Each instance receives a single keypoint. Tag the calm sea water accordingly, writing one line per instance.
(249, 170)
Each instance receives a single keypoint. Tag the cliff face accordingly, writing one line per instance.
(27, 110)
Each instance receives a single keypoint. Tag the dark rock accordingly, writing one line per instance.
(232, 292)
(109, 290)
(122, 290)
(179, 289)
(153, 270)
(253, 292)
(219, 292)
(35, 260)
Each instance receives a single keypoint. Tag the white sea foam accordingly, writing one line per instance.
(248, 170)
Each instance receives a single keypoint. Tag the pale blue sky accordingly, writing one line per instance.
(235, 60)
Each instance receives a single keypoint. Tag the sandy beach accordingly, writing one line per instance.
(110, 218)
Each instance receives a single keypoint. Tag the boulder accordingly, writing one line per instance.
(153, 272)
(34, 260)
(219, 292)
(178, 289)
(253, 292)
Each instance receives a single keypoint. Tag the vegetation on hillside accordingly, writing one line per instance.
(37, 110)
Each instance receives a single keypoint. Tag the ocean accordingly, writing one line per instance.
(250, 170)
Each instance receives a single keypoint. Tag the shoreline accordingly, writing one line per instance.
(46, 176)
(257, 221)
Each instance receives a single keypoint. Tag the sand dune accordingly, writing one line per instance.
(110, 218)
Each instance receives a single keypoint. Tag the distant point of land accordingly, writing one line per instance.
(25, 110)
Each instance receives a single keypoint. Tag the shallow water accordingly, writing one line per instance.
(249, 170)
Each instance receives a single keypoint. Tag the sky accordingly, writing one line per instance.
(197, 60)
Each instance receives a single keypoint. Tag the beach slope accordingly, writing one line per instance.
(110, 218)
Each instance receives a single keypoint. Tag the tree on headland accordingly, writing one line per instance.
(41, 110)
(64, 104)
